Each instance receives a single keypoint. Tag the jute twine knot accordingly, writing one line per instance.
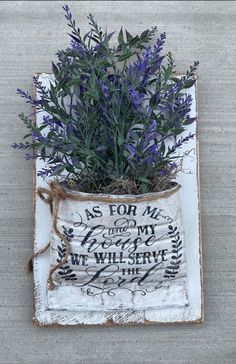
(52, 197)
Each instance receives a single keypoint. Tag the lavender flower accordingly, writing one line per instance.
(42, 90)
(111, 111)
(148, 135)
(131, 149)
(76, 46)
(136, 98)
(104, 88)
(154, 150)
(159, 44)
(178, 144)
(38, 137)
(68, 14)
(20, 146)
(29, 98)
(46, 172)
(31, 156)
(148, 160)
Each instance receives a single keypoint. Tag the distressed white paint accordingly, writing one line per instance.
(189, 202)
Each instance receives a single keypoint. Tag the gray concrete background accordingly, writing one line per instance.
(30, 33)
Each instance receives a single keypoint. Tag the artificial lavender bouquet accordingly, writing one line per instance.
(115, 115)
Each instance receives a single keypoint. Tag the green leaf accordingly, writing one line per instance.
(144, 187)
(55, 70)
(188, 121)
(134, 41)
(144, 35)
(94, 39)
(121, 36)
(178, 131)
(176, 79)
(92, 80)
(144, 180)
(125, 56)
(163, 147)
(189, 83)
(43, 153)
(128, 36)
(58, 170)
(93, 94)
(154, 100)
(26, 136)
(120, 141)
(75, 81)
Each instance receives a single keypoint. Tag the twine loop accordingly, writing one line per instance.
(52, 197)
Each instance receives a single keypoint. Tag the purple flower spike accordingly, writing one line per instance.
(135, 97)
(45, 172)
(104, 89)
(29, 98)
(153, 149)
(67, 10)
(131, 148)
(148, 160)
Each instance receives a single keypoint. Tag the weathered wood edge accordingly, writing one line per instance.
(199, 206)
(109, 322)
(34, 320)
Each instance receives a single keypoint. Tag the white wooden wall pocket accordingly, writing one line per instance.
(118, 259)
(116, 183)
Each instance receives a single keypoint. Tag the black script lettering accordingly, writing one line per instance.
(145, 229)
(163, 254)
(80, 222)
(122, 281)
(76, 259)
(142, 257)
(121, 226)
(112, 211)
(138, 256)
(131, 259)
(110, 257)
(151, 240)
(99, 272)
(93, 243)
(123, 209)
(100, 257)
(156, 213)
(148, 273)
(131, 271)
(132, 209)
(96, 212)
(146, 255)
(89, 214)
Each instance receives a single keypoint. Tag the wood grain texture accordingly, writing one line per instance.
(31, 32)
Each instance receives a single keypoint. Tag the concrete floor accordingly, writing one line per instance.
(30, 34)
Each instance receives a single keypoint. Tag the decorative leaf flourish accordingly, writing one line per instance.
(172, 270)
(65, 271)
